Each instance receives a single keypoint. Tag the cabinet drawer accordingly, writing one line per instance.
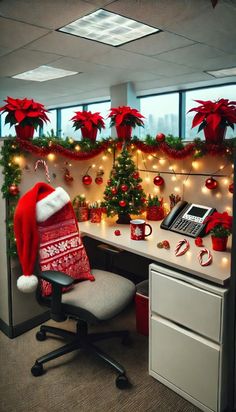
(187, 305)
(188, 363)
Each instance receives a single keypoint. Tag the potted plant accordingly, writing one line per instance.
(220, 227)
(155, 209)
(124, 118)
(25, 114)
(89, 123)
(213, 117)
(81, 208)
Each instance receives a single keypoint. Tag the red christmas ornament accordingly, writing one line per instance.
(231, 187)
(87, 180)
(143, 200)
(124, 188)
(211, 183)
(122, 203)
(67, 176)
(198, 241)
(135, 175)
(160, 137)
(117, 232)
(14, 189)
(158, 181)
(99, 180)
(138, 187)
(109, 181)
(114, 190)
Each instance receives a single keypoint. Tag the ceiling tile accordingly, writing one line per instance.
(68, 45)
(23, 60)
(14, 34)
(157, 43)
(50, 14)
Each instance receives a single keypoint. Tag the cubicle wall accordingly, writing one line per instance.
(19, 311)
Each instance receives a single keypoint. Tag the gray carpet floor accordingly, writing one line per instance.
(82, 383)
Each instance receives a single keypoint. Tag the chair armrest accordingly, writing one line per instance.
(57, 278)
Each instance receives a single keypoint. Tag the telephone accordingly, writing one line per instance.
(187, 218)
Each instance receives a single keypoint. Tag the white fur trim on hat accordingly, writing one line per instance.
(27, 284)
(50, 204)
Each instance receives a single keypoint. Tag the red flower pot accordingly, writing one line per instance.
(219, 243)
(124, 132)
(214, 136)
(89, 134)
(155, 213)
(95, 215)
(24, 132)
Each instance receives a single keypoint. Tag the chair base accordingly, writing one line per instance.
(81, 339)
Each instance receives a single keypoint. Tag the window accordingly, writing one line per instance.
(161, 115)
(103, 109)
(67, 129)
(51, 125)
(213, 93)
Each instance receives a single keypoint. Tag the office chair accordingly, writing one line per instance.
(88, 302)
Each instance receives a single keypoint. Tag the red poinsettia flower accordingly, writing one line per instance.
(24, 112)
(125, 115)
(219, 224)
(214, 113)
(88, 120)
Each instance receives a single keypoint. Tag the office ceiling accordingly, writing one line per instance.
(195, 37)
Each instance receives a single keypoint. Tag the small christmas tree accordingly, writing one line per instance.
(123, 193)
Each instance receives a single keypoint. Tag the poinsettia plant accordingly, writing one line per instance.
(24, 112)
(219, 224)
(88, 120)
(221, 112)
(125, 115)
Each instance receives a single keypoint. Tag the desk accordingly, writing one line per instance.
(218, 272)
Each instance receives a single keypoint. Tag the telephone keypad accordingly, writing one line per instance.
(187, 227)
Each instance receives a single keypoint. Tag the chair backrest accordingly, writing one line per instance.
(61, 248)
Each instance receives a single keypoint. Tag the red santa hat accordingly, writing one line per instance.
(37, 205)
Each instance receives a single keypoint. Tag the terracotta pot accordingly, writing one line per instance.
(219, 243)
(215, 136)
(24, 132)
(124, 132)
(89, 134)
(155, 213)
(95, 215)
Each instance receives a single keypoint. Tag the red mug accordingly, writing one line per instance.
(138, 229)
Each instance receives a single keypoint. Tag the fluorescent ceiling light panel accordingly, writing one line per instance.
(223, 72)
(109, 28)
(43, 73)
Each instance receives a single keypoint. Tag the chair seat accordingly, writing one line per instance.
(100, 300)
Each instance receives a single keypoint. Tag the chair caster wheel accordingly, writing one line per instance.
(37, 369)
(122, 382)
(41, 335)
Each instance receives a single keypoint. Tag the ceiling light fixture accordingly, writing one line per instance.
(43, 73)
(109, 28)
(222, 72)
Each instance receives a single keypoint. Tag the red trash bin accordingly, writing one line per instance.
(142, 307)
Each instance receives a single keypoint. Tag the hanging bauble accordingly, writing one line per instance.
(67, 176)
(211, 183)
(158, 180)
(14, 190)
(135, 175)
(160, 137)
(231, 187)
(114, 190)
(124, 188)
(109, 182)
(87, 180)
(99, 180)
(138, 187)
(122, 203)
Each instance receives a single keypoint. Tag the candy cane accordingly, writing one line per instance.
(200, 257)
(180, 243)
(44, 164)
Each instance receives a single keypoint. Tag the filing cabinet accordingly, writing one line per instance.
(188, 337)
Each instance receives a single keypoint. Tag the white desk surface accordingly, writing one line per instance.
(217, 272)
